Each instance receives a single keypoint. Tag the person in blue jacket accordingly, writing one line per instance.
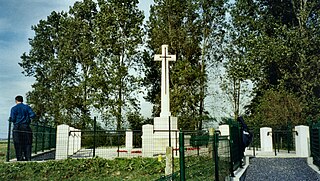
(21, 115)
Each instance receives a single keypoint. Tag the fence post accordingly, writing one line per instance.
(94, 135)
(216, 157)
(50, 145)
(182, 161)
(36, 139)
(231, 157)
(118, 136)
(9, 140)
(43, 136)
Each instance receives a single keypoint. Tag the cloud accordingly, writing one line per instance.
(16, 20)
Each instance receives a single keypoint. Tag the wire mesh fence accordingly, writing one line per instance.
(35, 140)
(199, 155)
(103, 143)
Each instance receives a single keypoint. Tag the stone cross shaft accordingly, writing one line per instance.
(165, 94)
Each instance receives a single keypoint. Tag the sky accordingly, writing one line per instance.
(16, 19)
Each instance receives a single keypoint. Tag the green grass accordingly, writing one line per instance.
(84, 169)
(3, 150)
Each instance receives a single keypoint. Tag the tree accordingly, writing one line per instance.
(118, 56)
(277, 46)
(85, 60)
(186, 27)
(43, 63)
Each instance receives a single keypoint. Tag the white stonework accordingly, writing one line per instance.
(266, 139)
(302, 140)
(224, 130)
(129, 140)
(147, 140)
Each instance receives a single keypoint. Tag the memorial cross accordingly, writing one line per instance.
(165, 96)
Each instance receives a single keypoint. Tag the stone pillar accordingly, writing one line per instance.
(147, 140)
(210, 146)
(129, 140)
(71, 145)
(62, 142)
(224, 129)
(266, 139)
(78, 140)
(302, 141)
(168, 170)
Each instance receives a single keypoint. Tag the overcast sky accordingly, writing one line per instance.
(16, 19)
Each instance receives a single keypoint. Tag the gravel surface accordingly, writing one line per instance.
(280, 169)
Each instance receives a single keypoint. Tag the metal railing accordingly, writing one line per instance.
(207, 157)
(315, 142)
(43, 139)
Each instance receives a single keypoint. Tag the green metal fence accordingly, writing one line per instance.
(198, 151)
(208, 157)
(236, 150)
(43, 139)
(315, 142)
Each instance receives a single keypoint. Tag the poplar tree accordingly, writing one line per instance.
(118, 38)
(186, 26)
(85, 61)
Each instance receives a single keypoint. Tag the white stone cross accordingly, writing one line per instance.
(165, 94)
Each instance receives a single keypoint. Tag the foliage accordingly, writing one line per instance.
(82, 62)
(188, 27)
(275, 43)
(84, 169)
(279, 109)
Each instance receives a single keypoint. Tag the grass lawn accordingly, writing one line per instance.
(85, 169)
(3, 150)
(82, 169)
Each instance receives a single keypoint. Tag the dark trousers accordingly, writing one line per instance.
(22, 140)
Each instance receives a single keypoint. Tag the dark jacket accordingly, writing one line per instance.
(21, 114)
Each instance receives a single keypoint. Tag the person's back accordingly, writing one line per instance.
(21, 114)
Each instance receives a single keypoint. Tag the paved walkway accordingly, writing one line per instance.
(280, 169)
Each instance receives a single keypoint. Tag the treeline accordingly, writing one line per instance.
(98, 57)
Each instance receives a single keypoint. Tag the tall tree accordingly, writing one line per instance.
(278, 49)
(186, 27)
(85, 60)
(118, 44)
(50, 72)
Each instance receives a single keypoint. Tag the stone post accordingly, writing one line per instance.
(147, 140)
(129, 140)
(266, 139)
(302, 140)
(224, 130)
(168, 169)
(78, 140)
(71, 145)
(211, 140)
(62, 142)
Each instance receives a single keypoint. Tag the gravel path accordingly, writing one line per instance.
(280, 169)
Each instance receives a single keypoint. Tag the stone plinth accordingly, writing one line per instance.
(266, 139)
(161, 133)
(302, 140)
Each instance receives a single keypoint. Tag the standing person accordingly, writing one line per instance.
(21, 115)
